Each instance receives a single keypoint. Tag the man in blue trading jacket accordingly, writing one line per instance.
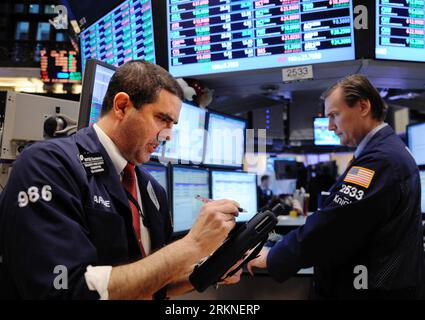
(366, 242)
(76, 216)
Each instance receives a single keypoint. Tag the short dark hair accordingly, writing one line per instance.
(357, 87)
(142, 81)
(265, 177)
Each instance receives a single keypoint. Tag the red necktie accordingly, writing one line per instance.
(129, 183)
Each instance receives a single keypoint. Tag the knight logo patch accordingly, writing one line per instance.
(360, 176)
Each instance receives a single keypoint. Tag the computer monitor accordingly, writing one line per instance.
(322, 135)
(210, 37)
(95, 84)
(186, 184)
(225, 145)
(416, 142)
(187, 144)
(125, 33)
(238, 186)
(159, 172)
(400, 30)
(286, 169)
(422, 176)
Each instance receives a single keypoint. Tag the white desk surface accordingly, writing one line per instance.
(290, 221)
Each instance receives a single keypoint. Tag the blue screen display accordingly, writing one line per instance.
(159, 172)
(322, 135)
(124, 34)
(422, 175)
(101, 81)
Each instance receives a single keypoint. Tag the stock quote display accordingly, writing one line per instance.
(59, 66)
(124, 34)
(214, 36)
(400, 30)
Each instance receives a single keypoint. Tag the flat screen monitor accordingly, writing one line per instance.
(416, 142)
(60, 66)
(422, 175)
(286, 169)
(400, 32)
(238, 186)
(124, 34)
(225, 143)
(208, 37)
(187, 144)
(187, 183)
(95, 84)
(159, 172)
(322, 135)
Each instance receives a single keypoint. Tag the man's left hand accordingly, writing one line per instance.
(235, 278)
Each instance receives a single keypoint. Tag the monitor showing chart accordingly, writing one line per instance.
(187, 143)
(95, 84)
(101, 82)
(215, 36)
(322, 135)
(124, 34)
(238, 186)
(159, 172)
(225, 140)
(400, 30)
(187, 183)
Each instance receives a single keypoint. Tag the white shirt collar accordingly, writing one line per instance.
(367, 138)
(111, 149)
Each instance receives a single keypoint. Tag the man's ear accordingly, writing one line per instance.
(365, 107)
(122, 105)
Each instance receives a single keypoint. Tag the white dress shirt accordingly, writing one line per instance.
(367, 138)
(97, 278)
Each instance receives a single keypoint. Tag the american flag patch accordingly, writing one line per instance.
(360, 176)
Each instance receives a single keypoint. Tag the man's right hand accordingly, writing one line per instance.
(213, 224)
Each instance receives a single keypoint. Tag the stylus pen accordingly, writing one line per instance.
(206, 200)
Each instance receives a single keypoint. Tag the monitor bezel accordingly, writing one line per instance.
(241, 172)
(223, 166)
(314, 136)
(87, 90)
(171, 189)
(357, 52)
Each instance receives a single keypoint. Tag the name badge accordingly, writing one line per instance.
(152, 195)
(93, 163)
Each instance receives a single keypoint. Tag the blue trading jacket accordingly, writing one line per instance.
(81, 218)
(372, 218)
